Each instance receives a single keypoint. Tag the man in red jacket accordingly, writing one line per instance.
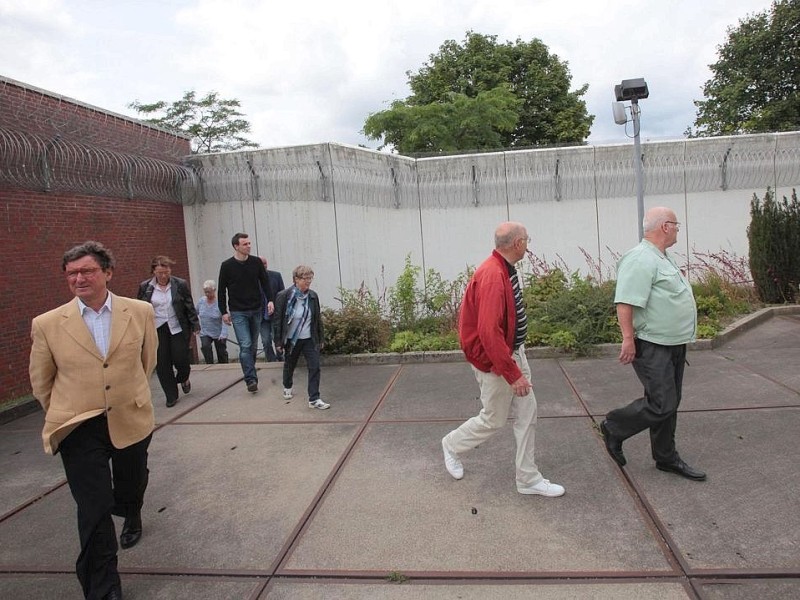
(492, 328)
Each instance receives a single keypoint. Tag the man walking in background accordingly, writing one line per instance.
(241, 279)
(658, 317)
(492, 327)
(267, 329)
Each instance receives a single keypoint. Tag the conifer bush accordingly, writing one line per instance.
(774, 237)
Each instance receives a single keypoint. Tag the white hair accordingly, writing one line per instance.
(209, 284)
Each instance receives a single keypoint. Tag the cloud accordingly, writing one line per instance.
(313, 71)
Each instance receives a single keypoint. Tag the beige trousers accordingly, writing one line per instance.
(498, 401)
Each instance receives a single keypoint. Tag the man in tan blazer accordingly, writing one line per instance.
(90, 369)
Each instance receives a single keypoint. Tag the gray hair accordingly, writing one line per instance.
(508, 233)
(209, 284)
(655, 218)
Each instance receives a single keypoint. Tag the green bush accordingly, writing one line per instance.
(350, 331)
(572, 314)
(413, 341)
(774, 237)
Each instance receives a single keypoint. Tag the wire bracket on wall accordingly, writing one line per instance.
(323, 182)
(724, 169)
(557, 181)
(475, 186)
(395, 187)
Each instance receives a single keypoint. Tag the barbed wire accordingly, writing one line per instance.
(58, 165)
(330, 172)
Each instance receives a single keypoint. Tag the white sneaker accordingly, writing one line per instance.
(543, 488)
(318, 403)
(452, 463)
(288, 394)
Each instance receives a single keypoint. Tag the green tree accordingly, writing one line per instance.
(214, 124)
(756, 81)
(480, 94)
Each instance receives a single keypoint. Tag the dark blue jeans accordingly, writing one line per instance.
(247, 324)
(266, 341)
(292, 354)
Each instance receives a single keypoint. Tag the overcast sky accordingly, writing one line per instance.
(309, 72)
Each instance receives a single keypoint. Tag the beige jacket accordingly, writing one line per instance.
(73, 382)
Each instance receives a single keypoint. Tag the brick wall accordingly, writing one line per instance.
(32, 110)
(36, 230)
(37, 227)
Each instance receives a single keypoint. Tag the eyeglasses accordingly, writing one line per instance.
(526, 239)
(676, 223)
(87, 272)
(307, 278)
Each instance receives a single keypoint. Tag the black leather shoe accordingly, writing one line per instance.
(114, 593)
(171, 402)
(613, 445)
(186, 386)
(681, 468)
(131, 531)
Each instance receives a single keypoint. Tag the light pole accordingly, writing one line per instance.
(633, 90)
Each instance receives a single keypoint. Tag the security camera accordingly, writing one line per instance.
(631, 89)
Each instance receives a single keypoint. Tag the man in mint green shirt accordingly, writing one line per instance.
(658, 317)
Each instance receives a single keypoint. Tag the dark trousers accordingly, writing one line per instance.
(266, 341)
(660, 369)
(100, 491)
(208, 354)
(292, 352)
(173, 354)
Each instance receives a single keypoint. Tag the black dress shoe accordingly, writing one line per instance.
(186, 386)
(131, 531)
(171, 402)
(114, 593)
(613, 445)
(681, 468)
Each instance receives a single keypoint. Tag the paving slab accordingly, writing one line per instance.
(207, 382)
(27, 472)
(713, 381)
(450, 391)
(775, 364)
(747, 515)
(353, 392)
(292, 590)
(394, 508)
(778, 332)
(228, 496)
(748, 589)
(135, 587)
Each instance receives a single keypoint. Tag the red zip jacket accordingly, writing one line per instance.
(488, 319)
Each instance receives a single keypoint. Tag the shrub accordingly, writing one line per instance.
(774, 237)
(572, 314)
(353, 331)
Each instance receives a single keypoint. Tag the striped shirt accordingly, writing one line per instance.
(521, 330)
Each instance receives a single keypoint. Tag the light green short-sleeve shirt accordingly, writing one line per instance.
(664, 311)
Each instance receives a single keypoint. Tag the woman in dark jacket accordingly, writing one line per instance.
(298, 330)
(176, 319)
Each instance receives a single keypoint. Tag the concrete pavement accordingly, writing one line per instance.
(252, 496)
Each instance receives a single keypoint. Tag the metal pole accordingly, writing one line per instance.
(637, 165)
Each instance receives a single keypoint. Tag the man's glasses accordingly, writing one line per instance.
(676, 223)
(307, 278)
(87, 272)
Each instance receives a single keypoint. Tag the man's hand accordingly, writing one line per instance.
(521, 387)
(270, 308)
(628, 351)
(226, 318)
